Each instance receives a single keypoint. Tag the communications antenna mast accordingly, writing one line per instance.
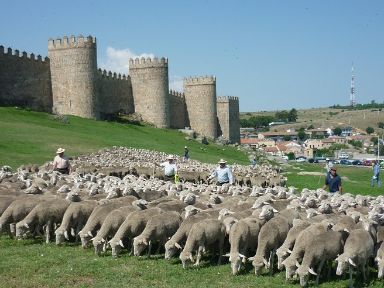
(352, 97)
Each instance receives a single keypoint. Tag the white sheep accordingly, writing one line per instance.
(158, 229)
(202, 234)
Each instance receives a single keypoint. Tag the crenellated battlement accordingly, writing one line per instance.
(112, 75)
(227, 99)
(176, 94)
(16, 53)
(202, 80)
(138, 63)
(72, 42)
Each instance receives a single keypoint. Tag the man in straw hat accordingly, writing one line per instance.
(170, 168)
(61, 162)
(223, 174)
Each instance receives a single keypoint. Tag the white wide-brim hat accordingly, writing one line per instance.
(222, 161)
(170, 157)
(185, 146)
(60, 150)
(327, 159)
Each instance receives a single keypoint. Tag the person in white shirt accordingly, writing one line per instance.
(223, 174)
(329, 165)
(170, 169)
(61, 162)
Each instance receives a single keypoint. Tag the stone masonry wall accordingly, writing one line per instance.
(115, 94)
(200, 98)
(228, 118)
(25, 81)
(177, 109)
(74, 73)
(150, 91)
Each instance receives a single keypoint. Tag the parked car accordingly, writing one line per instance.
(311, 160)
(357, 162)
(343, 155)
(367, 162)
(345, 162)
(301, 159)
(320, 160)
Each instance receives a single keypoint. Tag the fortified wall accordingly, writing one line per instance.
(68, 82)
(25, 80)
(228, 118)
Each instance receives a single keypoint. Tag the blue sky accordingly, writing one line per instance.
(272, 54)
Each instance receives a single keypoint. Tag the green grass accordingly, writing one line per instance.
(30, 263)
(355, 180)
(33, 137)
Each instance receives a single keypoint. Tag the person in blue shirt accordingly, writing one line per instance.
(376, 175)
(223, 174)
(186, 154)
(253, 162)
(333, 181)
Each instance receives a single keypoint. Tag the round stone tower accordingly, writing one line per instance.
(149, 78)
(200, 99)
(73, 66)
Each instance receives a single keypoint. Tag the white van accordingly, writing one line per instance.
(343, 155)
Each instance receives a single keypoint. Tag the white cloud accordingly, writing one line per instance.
(117, 60)
(176, 83)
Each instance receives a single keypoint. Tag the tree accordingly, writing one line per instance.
(337, 131)
(370, 130)
(311, 127)
(287, 137)
(292, 115)
(301, 134)
(282, 115)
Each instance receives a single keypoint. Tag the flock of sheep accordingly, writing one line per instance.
(115, 199)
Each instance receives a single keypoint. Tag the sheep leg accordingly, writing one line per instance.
(350, 277)
(271, 258)
(199, 253)
(149, 249)
(47, 232)
(364, 275)
(221, 245)
(319, 271)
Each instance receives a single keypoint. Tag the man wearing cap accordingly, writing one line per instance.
(333, 181)
(223, 174)
(170, 169)
(61, 162)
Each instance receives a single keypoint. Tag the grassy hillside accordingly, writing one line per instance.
(33, 137)
(328, 117)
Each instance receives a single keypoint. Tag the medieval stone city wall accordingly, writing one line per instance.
(200, 98)
(74, 73)
(25, 80)
(177, 110)
(69, 83)
(228, 118)
(115, 94)
(149, 78)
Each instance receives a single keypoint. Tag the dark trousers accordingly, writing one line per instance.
(221, 183)
(63, 170)
(169, 178)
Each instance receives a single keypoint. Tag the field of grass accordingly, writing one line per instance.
(30, 263)
(33, 137)
(355, 180)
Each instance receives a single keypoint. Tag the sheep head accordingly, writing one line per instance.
(139, 245)
(186, 258)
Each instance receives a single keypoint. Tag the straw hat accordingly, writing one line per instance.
(170, 157)
(222, 161)
(185, 147)
(60, 150)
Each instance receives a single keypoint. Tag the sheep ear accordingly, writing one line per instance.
(72, 232)
(265, 262)
(177, 245)
(275, 211)
(250, 258)
(351, 262)
(92, 238)
(346, 230)
(297, 264)
(227, 255)
(121, 243)
(289, 251)
(266, 203)
(26, 225)
(191, 258)
(102, 240)
(90, 233)
(310, 270)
